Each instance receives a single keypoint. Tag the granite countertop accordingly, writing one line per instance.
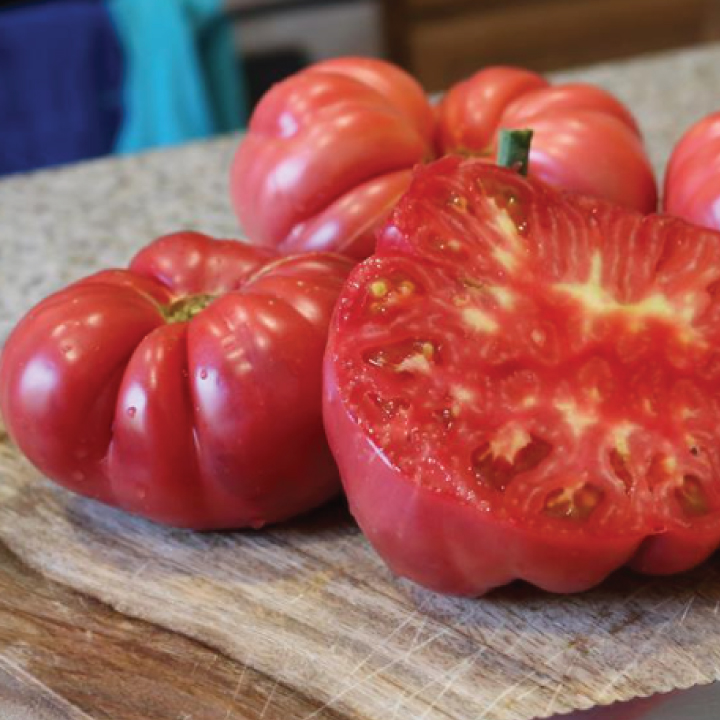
(56, 226)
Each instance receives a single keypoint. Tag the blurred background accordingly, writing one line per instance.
(86, 78)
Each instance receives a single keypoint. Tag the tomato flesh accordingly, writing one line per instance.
(541, 402)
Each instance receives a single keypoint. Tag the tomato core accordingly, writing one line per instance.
(186, 308)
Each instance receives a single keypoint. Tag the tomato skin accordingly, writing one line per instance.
(583, 151)
(204, 423)
(492, 304)
(692, 184)
(330, 150)
(468, 115)
(561, 99)
(584, 139)
(320, 134)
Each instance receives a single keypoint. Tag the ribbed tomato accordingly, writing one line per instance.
(186, 389)
(692, 178)
(329, 151)
(522, 383)
(584, 139)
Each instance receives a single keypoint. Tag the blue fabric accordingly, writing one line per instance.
(182, 80)
(60, 83)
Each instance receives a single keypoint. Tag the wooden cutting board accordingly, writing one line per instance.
(315, 626)
(107, 617)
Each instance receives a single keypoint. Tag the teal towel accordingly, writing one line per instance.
(182, 79)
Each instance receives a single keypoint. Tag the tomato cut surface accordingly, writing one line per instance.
(186, 389)
(524, 384)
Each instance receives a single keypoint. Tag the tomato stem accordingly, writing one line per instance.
(186, 308)
(514, 150)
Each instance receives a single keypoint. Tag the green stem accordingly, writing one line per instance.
(514, 149)
(186, 308)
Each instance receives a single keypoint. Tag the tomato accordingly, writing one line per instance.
(328, 154)
(584, 139)
(186, 389)
(692, 178)
(525, 384)
(330, 150)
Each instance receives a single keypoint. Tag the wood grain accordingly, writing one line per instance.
(309, 609)
(67, 656)
(24, 698)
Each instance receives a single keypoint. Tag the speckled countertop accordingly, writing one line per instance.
(56, 226)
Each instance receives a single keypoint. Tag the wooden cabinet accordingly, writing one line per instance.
(441, 41)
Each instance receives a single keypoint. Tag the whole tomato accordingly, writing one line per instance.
(329, 151)
(692, 178)
(186, 389)
(523, 383)
(584, 139)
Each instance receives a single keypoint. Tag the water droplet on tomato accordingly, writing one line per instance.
(131, 412)
(203, 374)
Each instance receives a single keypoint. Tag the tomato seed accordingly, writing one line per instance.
(405, 356)
(379, 288)
(573, 504)
(620, 468)
(459, 202)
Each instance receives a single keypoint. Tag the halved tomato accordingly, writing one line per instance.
(521, 383)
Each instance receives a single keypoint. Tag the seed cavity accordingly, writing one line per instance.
(573, 503)
(498, 470)
(386, 293)
(618, 463)
(691, 497)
